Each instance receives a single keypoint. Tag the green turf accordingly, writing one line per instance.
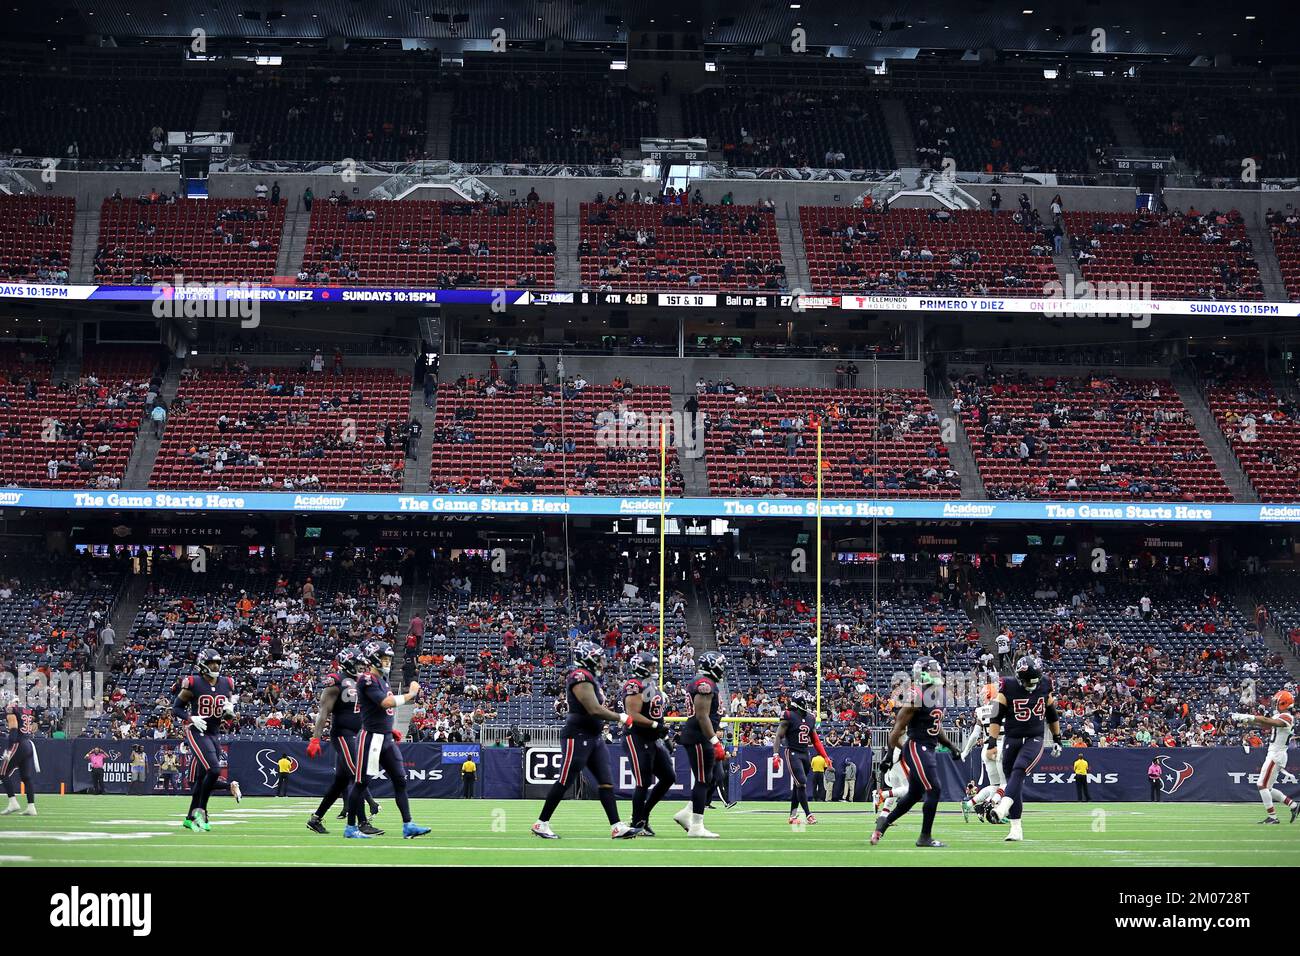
(146, 831)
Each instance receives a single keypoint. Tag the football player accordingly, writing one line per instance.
(893, 783)
(584, 741)
(204, 700)
(699, 736)
(920, 717)
(340, 710)
(991, 792)
(1280, 726)
(376, 747)
(646, 750)
(798, 731)
(1023, 705)
(20, 759)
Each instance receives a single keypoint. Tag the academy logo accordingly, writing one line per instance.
(1171, 778)
(268, 765)
(746, 771)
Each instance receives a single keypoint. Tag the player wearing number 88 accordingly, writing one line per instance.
(1023, 705)
(919, 716)
(203, 701)
(798, 731)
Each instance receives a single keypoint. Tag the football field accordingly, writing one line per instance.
(146, 831)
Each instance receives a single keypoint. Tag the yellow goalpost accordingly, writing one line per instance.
(734, 723)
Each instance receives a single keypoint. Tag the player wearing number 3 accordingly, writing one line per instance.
(1024, 703)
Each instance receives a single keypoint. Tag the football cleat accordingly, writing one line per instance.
(929, 842)
(236, 792)
(646, 831)
(412, 830)
(728, 804)
(621, 831)
(1270, 819)
(201, 818)
(1295, 811)
(31, 810)
(315, 826)
(369, 829)
(354, 833)
(683, 817)
(343, 815)
(699, 832)
(1016, 834)
(189, 824)
(794, 818)
(544, 831)
(811, 819)
(882, 823)
(11, 808)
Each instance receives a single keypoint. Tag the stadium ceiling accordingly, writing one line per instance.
(1176, 28)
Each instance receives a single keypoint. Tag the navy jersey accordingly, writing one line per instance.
(691, 733)
(653, 705)
(1025, 708)
(579, 721)
(371, 691)
(26, 718)
(209, 699)
(346, 715)
(799, 731)
(924, 725)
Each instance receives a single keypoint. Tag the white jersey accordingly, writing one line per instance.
(896, 777)
(1280, 736)
(1003, 644)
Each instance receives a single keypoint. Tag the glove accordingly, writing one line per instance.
(776, 764)
(658, 725)
(1056, 748)
(397, 736)
(313, 747)
(955, 755)
(886, 764)
(199, 723)
(229, 709)
(719, 751)
(1242, 718)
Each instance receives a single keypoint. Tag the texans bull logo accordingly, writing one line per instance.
(747, 771)
(268, 765)
(1173, 777)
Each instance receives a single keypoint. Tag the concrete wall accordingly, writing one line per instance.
(680, 375)
(567, 193)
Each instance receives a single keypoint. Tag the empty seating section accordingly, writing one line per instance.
(1085, 438)
(1191, 256)
(59, 435)
(597, 440)
(1128, 677)
(918, 251)
(841, 128)
(551, 119)
(1216, 133)
(1285, 229)
(311, 118)
(200, 240)
(36, 238)
(875, 443)
(768, 633)
(1028, 133)
(424, 242)
(694, 246)
(104, 117)
(280, 428)
(1263, 432)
